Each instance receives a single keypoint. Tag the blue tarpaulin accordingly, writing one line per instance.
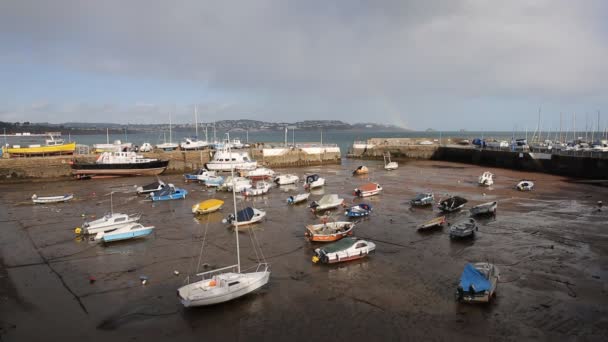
(472, 277)
(245, 214)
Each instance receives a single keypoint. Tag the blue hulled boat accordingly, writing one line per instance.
(169, 193)
(359, 210)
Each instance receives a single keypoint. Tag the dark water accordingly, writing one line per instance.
(550, 245)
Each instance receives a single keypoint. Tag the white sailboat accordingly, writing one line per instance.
(194, 143)
(391, 165)
(227, 283)
(168, 146)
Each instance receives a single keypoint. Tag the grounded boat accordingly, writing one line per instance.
(260, 188)
(120, 164)
(259, 173)
(478, 283)
(327, 202)
(432, 223)
(240, 184)
(313, 181)
(452, 204)
(214, 181)
(463, 229)
(286, 179)
(168, 146)
(193, 143)
(299, 198)
(359, 210)
(201, 175)
(329, 231)
(484, 209)
(391, 165)
(246, 216)
(51, 199)
(108, 222)
(423, 199)
(152, 187)
(486, 179)
(369, 189)
(525, 185)
(361, 170)
(169, 193)
(207, 206)
(226, 160)
(51, 147)
(347, 249)
(131, 231)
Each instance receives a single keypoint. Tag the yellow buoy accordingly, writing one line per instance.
(78, 230)
(315, 259)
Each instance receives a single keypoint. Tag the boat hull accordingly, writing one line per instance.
(255, 281)
(112, 237)
(42, 150)
(53, 199)
(217, 166)
(128, 169)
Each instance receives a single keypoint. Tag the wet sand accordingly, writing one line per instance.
(551, 246)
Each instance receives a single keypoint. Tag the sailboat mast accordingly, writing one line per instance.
(574, 128)
(107, 135)
(560, 128)
(170, 135)
(236, 220)
(196, 121)
(111, 203)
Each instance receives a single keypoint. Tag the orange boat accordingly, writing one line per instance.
(366, 190)
(329, 231)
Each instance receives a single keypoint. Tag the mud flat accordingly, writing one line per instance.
(551, 246)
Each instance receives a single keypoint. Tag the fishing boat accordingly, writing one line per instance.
(227, 283)
(390, 165)
(484, 209)
(286, 179)
(259, 173)
(260, 188)
(486, 179)
(452, 204)
(367, 190)
(51, 199)
(238, 183)
(52, 146)
(327, 202)
(478, 283)
(347, 249)
(432, 223)
(463, 229)
(207, 206)
(130, 231)
(214, 181)
(226, 160)
(361, 170)
(201, 175)
(168, 193)
(423, 199)
(329, 231)
(313, 181)
(246, 216)
(120, 164)
(152, 187)
(299, 198)
(525, 185)
(359, 210)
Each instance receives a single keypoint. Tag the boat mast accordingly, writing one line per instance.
(574, 128)
(196, 122)
(170, 135)
(107, 135)
(111, 203)
(285, 136)
(560, 127)
(236, 219)
(321, 136)
(293, 137)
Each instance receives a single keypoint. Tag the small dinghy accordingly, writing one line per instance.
(486, 179)
(484, 209)
(260, 173)
(260, 188)
(246, 216)
(199, 176)
(207, 206)
(313, 181)
(367, 190)
(463, 229)
(361, 170)
(131, 231)
(214, 181)
(240, 184)
(152, 187)
(452, 204)
(359, 210)
(286, 179)
(327, 202)
(478, 283)
(525, 185)
(347, 249)
(169, 193)
(433, 223)
(108, 222)
(423, 199)
(299, 198)
(51, 199)
(329, 231)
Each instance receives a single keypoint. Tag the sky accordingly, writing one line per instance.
(447, 65)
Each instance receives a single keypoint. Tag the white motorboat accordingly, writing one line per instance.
(286, 179)
(299, 198)
(227, 283)
(258, 174)
(260, 188)
(240, 184)
(346, 249)
(226, 160)
(145, 147)
(484, 209)
(525, 185)
(201, 175)
(246, 216)
(127, 232)
(327, 202)
(478, 283)
(313, 181)
(51, 199)
(390, 165)
(108, 222)
(486, 179)
(156, 186)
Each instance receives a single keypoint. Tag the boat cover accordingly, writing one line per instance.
(471, 277)
(368, 187)
(152, 186)
(365, 206)
(453, 202)
(245, 214)
(329, 199)
(312, 178)
(339, 245)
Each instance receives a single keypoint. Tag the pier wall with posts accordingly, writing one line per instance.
(297, 156)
